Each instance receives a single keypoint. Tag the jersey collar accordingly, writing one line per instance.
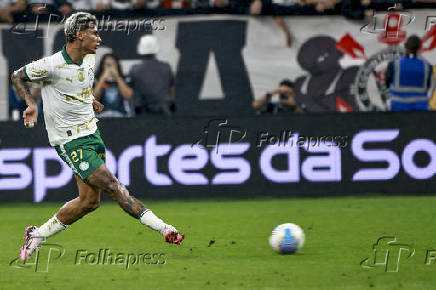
(68, 58)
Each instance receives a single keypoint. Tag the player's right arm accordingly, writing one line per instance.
(36, 71)
(19, 80)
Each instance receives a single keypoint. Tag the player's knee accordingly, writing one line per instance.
(94, 204)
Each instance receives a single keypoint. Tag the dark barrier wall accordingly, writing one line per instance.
(313, 155)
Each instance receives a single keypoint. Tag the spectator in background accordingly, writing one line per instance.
(40, 7)
(219, 3)
(284, 103)
(10, 7)
(282, 25)
(111, 89)
(212, 3)
(152, 81)
(258, 7)
(134, 4)
(409, 79)
(150, 4)
(322, 5)
(97, 5)
(176, 4)
(227, 6)
(357, 9)
(268, 7)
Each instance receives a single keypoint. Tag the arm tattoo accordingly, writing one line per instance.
(19, 79)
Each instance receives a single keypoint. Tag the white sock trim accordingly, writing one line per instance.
(140, 216)
(49, 228)
(149, 219)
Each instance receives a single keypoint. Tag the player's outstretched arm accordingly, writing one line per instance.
(19, 80)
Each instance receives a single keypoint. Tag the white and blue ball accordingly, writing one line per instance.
(287, 239)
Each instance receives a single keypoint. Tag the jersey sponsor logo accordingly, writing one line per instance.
(85, 94)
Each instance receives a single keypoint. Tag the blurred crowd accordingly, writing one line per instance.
(13, 10)
(147, 89)
(140, 92)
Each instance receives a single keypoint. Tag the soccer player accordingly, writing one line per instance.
(67, 79)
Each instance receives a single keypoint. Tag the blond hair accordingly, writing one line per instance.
(77, 22)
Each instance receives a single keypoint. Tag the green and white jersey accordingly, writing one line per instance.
(66, 94)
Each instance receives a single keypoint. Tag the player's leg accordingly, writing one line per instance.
(82, 156)
(88, 200)
(105, 180)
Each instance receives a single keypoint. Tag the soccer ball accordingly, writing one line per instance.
(287, 239)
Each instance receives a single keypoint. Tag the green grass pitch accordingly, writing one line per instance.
(340, 233)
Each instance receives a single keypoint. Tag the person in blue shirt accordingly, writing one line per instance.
(111, 88)
(409, 79)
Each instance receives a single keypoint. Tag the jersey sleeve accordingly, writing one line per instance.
(39, 70)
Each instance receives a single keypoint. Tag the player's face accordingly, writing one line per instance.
(91, 39)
